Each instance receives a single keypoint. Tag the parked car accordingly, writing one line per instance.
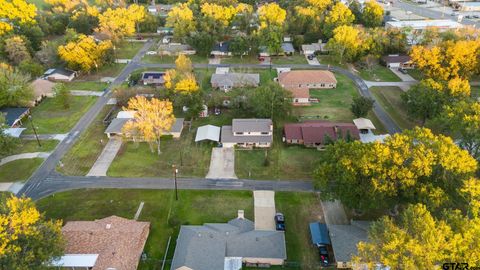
(476, 16)
(310, 57)
(139, 38)
(279, 222)
(403, 71)
(261, 59)
(323, 255)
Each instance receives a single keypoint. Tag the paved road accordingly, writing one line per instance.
(434, 14)
(46, 181)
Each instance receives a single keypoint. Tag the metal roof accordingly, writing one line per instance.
(76, 260)
(13, 115)
(208, 132)
(319, 233)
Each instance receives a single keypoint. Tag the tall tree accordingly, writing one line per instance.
(270, 101)
(15, 13)
(63, 95)
(16, 49)
(28, 240)
(120, 22)
(372, 15)
(84, 53)
(15, 88)
(423, 101)
(361, 106)
(153, 118)
(271, 18)
(339, 15)
(181, 19)
(181, 79)
(347, 43)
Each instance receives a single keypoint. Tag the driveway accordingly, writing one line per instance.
(214, 61)
(108, 154)
(222, 164)
(264, 208)
(334, 213)
(403, 77)
(313, 62)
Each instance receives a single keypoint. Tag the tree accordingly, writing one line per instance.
(15, 13)
(181, 79)
(32, 35)
(7, 142)
(202, 42)
(223, 15)
(183, 64)
(149, 24)
(29, 241)
(271, 15)
(84, 23)
(193, 103)
(423, 101)
(63, 95)
(361, 106)
(180, 18)
(239, 46)
(409, 167)
(15, 88)
(48, 54)
(120, 22)
(346, 43)
(64, 6)
(84, 53)
(30, 67)
(153, 118)
(320, 6)
(372, 15)
(270, 101)
(16, 49)
(339, 15)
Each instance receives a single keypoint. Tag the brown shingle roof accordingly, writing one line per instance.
(42, 87)
(396, 59)
(315, 131)
(296, 77)
(299, 92)
(118, 241)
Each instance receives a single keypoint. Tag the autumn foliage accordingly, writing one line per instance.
(85, 53)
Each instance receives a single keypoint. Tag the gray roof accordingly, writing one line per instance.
(174, 47)
(205, 247)
(12, 115)
(227, 137)
(287, 47)
(61, 71)
(251, 125)
(346, 237)
(117, 124)
(235, 79)
(178, 125)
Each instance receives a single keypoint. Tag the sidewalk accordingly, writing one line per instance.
(24, 156)
(58, 137)
(86, 93)
(108, 154)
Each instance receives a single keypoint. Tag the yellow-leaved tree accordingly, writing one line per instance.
(180, 18)
(183, 64)
(319, 5)
(120, 22)
(338, 16)
(153, 119)
(65, 6)
(271, 15)
(27, 239)
(15, 12)
(348, 42)
(372, 15)
(222, 14)
(84, 53)
(181, 79)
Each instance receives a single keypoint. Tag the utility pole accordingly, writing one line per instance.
(175, 171)
(34, 130)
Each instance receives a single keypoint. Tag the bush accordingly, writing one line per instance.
(31, 67)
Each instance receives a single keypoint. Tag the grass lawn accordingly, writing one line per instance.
(112, 70)
(248, 59)
(390, 99)
(32, 146)
(86, 85)
(193, 207)
(475, 90)
(415, 73)
(50, 117)
(127, 50)
(154, 59)
(286, 60)
(81, 157)
(330, 60)
(19, 170)
(378, 73)
(39, 3)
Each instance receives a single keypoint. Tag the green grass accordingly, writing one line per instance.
(127, 50)
(415, 73)
(19, 170)
(390, 99)
(248, 59)
(155, 59)
(378, 73)
(86, 85)
(50, 117)
(191, 159)
(286, 60)
(330, 60)
(112, 70)
(81, 157)
(39, 3)
(32, 146)
(194, 208)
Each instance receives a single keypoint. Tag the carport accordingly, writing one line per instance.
(319, 234)
(208, 132)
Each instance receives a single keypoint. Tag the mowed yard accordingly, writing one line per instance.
(193, 208)
(390, 99)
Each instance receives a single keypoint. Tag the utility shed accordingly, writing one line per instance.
(319, 234)
(208, 132)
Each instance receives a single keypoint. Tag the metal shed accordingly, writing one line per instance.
(319, 234)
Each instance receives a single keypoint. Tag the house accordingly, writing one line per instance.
(59, 75)
(115, 128)
(398, 61)
(165, 30)
(153, 78)
(416, 27)
(248, 133)
(344, 240)
(312, 48)
(299, 83)
(160, 9)
(366, 127)
(221, 49)
(109, 243)
(13, 116)
(287, 49)
(41, 89)
(318, 133)
(175, 49)
(228, 81)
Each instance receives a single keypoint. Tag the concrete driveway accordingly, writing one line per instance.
(264, 207)
(403, 77)
(108, 154)
(222, 164)
(313, 62)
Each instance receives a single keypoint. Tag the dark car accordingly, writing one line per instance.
(323, 255)
(310, 57)
(476, 16)
(403, 71)
(279, 222)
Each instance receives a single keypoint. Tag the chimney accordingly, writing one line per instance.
(241, 214)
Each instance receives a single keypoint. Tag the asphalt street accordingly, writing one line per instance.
(46, 180)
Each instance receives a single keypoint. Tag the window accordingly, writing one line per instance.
(265, 133)
(238, 133)
(322, 85)
(296, 100)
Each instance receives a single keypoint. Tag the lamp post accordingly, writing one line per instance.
(175, 171)
(34, 130)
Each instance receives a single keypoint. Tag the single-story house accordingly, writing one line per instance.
(115, 128)
(13, 116)
(220, 246)
(345, 239)
(221, 49)
(109, 243)
(251, 132)
(160, 9)
(312, 48)
(165, 30)
(59, 75)
(42, 89)
(398, 61)
(153, 78)
(222, 70)
(299, 82)
(175, 49)
(287, 49)
(208, 132)
(228, 81)
(318, 133)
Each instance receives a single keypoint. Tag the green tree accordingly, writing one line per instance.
(7, 143)
(372, 15)
(29, 241)
(202, 42)
(239, 46)
(63, 95)
(423, 102)
(361, 106)
(31, 67)
(15, 89)
(84, 23)
(16, 49)
(270, 101)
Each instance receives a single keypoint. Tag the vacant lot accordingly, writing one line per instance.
(19, 170)
(111, 70)
(127, 50)
(193, 208)
(32, 146)
(378, 73)
(86, 85)
(164, 59)
(390, 99)
(51, 118)
(292, 59)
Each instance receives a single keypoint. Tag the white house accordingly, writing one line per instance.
(59, 75)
